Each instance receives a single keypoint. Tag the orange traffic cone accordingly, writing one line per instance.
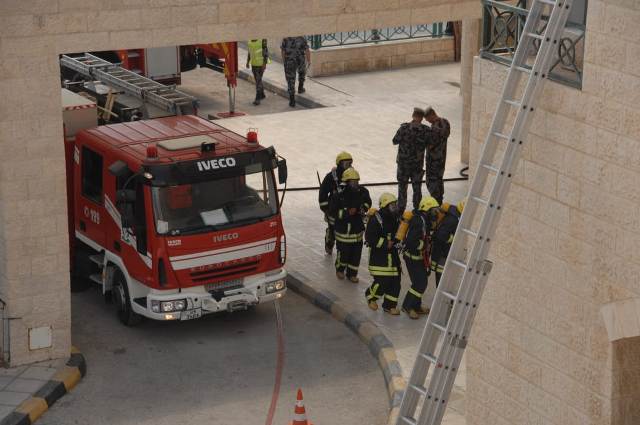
(299, 414)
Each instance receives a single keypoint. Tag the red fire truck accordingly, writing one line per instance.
(179, 215)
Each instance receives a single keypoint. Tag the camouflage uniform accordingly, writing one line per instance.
(436, 158)
(295, 60)
(411, 139)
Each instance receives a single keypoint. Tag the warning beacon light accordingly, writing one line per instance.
(252, 135)
(152, 151)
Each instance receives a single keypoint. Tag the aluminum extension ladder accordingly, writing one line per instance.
(466, 271)
(164, 97)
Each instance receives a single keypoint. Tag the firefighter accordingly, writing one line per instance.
(329, 187)
(349, 208)
(417, 254)
(443, 237)
(384, 259)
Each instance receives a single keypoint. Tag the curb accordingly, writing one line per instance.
(379, 345)
(62, 382)
(274, 87)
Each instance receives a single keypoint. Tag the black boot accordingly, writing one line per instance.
(261, 94)
(292, 100)
(257, 100)
(301, 87)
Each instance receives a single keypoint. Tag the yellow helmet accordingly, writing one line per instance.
(428, 202)
(461, 206)
(343, 156)
(386, 199)
(350, 174)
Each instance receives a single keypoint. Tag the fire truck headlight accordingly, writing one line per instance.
(278, 285)
(168, 306)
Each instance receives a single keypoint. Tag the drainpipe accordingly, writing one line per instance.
(6, 351)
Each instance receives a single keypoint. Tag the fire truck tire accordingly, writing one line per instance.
(123, 302)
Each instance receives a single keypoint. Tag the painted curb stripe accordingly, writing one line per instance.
(51, 392)
(77, 360)
(379, 345)
(16, 418)
(62, 382)
(34, 407)
(69, 376)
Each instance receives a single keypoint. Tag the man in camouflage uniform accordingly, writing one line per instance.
(436, 153)
(296, 56)
(411, 138)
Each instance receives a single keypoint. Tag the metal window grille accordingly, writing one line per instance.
(503, 22)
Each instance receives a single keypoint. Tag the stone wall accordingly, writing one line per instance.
(568, 243)
(33, 215)
(386, 55)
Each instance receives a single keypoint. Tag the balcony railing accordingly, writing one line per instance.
(376, 35)
(503, 23)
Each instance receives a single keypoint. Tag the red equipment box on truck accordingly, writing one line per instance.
(181, 217)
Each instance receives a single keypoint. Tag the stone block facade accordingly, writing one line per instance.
(545, 348)
(34, 260)
(386, 55)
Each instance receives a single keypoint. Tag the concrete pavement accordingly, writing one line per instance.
(219, 370)
(367, 111)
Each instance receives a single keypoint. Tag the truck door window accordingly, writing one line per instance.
(91, 175)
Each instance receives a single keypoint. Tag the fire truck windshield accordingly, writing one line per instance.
(216, 204)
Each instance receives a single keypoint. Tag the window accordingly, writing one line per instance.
(92, 175)
(216, 204)
(503, 26)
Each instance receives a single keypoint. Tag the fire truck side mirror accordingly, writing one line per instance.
(125, 196)
(282, 171)
(119, 169)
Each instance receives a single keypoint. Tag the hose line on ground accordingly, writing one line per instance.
(305, 188)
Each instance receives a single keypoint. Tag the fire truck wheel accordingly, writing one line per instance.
(123, 302)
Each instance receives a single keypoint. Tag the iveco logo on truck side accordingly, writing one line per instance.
(227, 237)
(215, 164)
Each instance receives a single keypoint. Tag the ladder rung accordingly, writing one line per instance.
(459, 264)
(408, 420)
(549, 2)
(452, 297)
(512, 103)
(418, 388)
(522, 69)
(469, 232)
(491, 168)
(500, 135)
(439, 327)
(429, 358)
(479, 200)
(534, 35)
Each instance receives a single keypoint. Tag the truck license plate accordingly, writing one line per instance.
(191, 314)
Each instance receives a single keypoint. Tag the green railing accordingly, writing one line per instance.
(377, 35)
(503, 22)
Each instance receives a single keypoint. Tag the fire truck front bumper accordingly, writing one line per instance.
(194, 302)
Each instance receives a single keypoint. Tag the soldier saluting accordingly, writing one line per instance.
(411, 138)
(436, 155)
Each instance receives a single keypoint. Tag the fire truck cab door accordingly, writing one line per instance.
(90, 210)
